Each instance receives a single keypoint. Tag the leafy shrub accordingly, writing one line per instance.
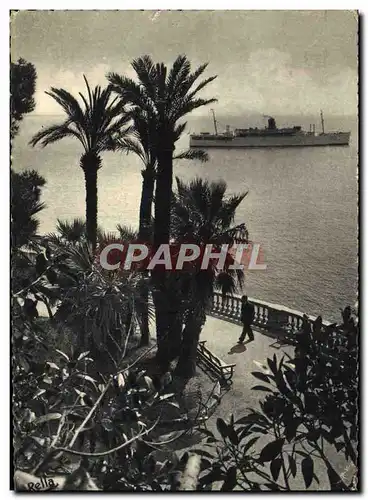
(311, 404)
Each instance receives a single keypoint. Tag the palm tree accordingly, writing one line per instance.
(165, 97)
(71, 233)
(100, 306)
(142, 143)
(97, 124)
(203, 214)
(25, 206)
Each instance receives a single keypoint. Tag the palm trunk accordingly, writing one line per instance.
(167, 341)
(90, 163)
(145, 210)
(145, 235)
(164, 180)
(186, 367)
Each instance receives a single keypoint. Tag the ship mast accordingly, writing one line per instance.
(322, 122)
(214, 121)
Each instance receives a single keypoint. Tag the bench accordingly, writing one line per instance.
(224, 371)
(290, 338)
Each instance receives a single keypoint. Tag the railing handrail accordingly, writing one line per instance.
(276, 307)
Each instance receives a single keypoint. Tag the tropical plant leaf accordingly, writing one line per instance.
(249, 444)
(291, 427)
(307, 470)
(230, 479)
(261, 376)
(166, 396)
(292, 465)
(271, 450)
(222, 427)
(275, 467)
(261, 388)
(121, 380)
(83, 355)
(232, 435)
(63, 354)
(47, 418)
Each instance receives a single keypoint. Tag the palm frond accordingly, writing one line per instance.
(193, 154)
(187, 106)
(201, 86)
(226, 282)
(177, 76)
(228, 209)
(69, 104)
(55, 133)
(106, 238)
(202, 213)
(80, 258)
(131, 93)
(97, 126)
(73, 232)
(129, 145)
(178, 130)
(127, 233)
(147, 75)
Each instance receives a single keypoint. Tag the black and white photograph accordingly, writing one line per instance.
(184, 252)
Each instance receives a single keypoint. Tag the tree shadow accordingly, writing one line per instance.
(237, 349)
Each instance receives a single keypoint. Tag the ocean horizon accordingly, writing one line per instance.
(301, 204)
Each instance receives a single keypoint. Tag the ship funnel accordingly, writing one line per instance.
(271, 123)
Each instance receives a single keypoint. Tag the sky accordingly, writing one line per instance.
(267, 62)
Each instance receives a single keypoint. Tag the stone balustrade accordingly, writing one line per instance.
(272, 317)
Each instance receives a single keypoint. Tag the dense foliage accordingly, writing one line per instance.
(22, 88)
(25, 205)
(203, 214)
(310, 412)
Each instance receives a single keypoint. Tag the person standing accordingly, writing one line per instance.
(247, 317)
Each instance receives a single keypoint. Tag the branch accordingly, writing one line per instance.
(93, 409)
(61, 423)
(34, 282)
(112, 450)
(171, 440)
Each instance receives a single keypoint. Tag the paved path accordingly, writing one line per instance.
(222, 337)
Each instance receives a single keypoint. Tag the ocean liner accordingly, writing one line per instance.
(268, 137)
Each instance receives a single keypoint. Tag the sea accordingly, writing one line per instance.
(301, 206)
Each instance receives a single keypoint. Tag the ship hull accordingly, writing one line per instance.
(332, 139)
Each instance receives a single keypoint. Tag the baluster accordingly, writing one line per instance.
(271, 318)
(232, 307)
(299, 323)
(222, 301)
(213, 303)
(261, 315)
(292, 324)
(256, 314)
(226, 305)
(238, 308)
